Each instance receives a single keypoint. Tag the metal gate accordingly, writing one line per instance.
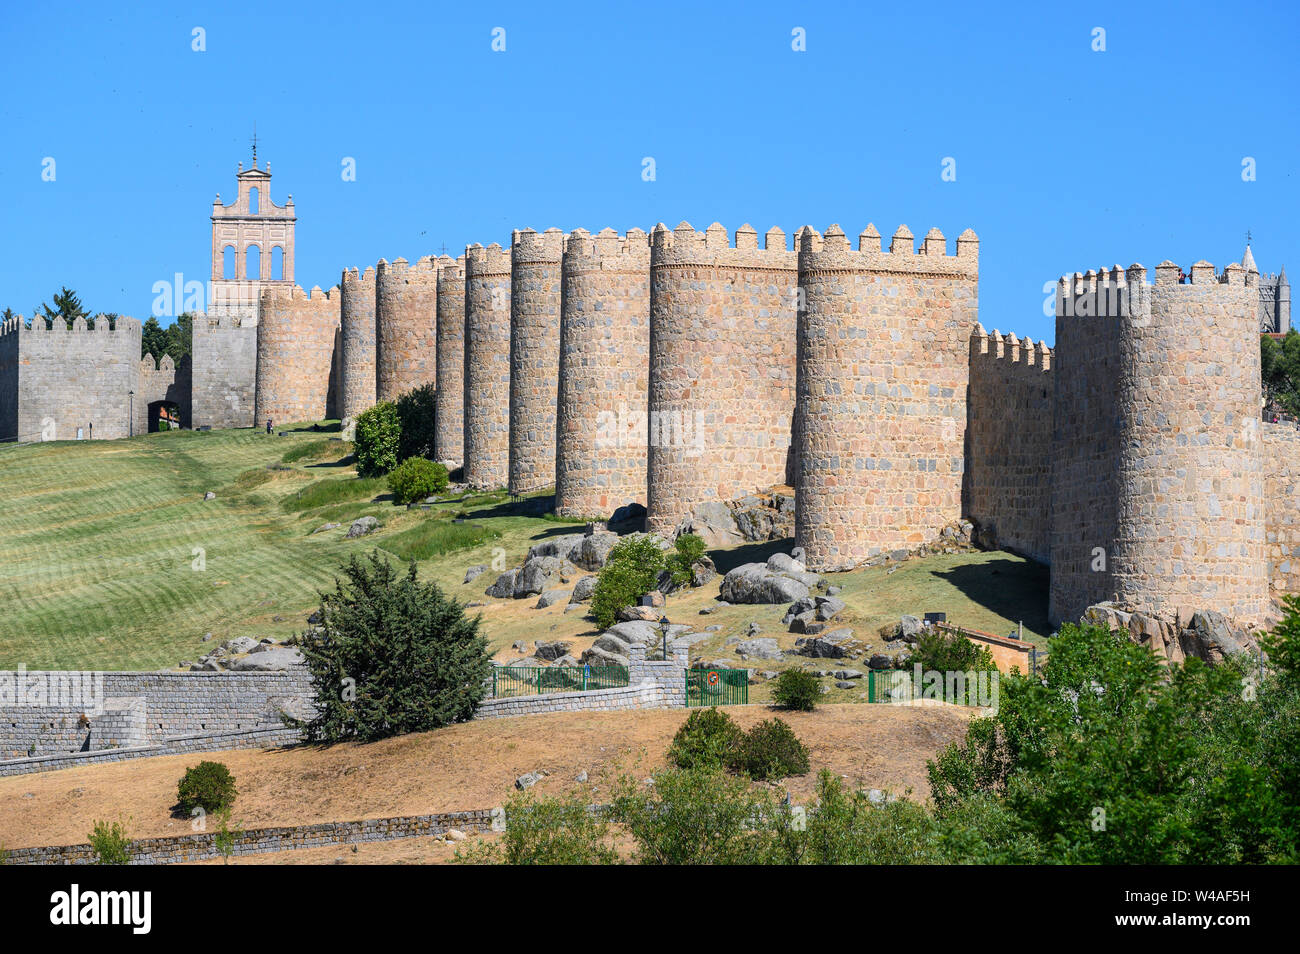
(717, 687)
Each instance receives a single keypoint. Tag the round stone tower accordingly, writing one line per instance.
(295, 353)
(1190, 485)
(487, 366)
(406, 319)
(722, 368)
(534, 356)
(600, 459)
(449, 401)
(357, 320)
(883, 363)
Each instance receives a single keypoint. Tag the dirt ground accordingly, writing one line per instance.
(466, 766)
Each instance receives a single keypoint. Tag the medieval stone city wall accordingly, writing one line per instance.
(1085, 445)
(406, 326)
(1282, 506)
(601, 428)
(224, 375)
(357, 324)
(487, 366)
(1009, 443)
(297, 338)
(884, 352)
(534, 357)
(722, 368)
(64, 383)
(449, 400)
(9, 379)
(162, 381)
(1190, 516)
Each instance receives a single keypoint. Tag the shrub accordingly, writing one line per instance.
(771, 750)
(416, 478)
(110, 843)
(688, 549)
(377, 438)
(632, 569)
(393, 655)
(707, 739)
(797, 690)
(415, 417)
(937, 651)
(1283, 643)
(546, 831)
(208, 785)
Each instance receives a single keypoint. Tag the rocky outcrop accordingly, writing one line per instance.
(1206, 635)
(782, 579)
(755, 518)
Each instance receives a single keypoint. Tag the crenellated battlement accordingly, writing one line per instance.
(607, 248)
(833, 251)
(527, 246)
(123, 325)
(490, 261)
(684, 246)
(1009, 349)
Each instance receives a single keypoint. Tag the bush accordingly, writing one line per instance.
(110, 843)
(632, 569)
(415, 417)
(378, 435)
(797, 690)
(708, 739)
(393, 655)
(208, 785)
(937, 651)
(771, 751)
(546, 831)
(687, 551)
(416, 478)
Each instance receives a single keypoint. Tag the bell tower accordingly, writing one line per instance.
(252, 244)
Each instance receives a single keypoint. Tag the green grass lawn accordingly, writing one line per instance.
(100, 546)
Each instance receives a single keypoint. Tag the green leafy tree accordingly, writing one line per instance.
(1283, 643)
(378, 435)
(208, 785)
(227, 835)
(393, 655)
(415, 416)
(688, 549)
(770, 751)
(708, 739)
(631, 570)
(797, 690)
(938, 651)
(180, 337)
(1280, 370)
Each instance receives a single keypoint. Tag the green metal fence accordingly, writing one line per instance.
(717, 687)
(880, 681)
(508, 681)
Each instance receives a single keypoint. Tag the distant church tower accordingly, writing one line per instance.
(1274, 297)
(252, 247)
(252, 244)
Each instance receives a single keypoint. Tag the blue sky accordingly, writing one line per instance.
(1066, 158)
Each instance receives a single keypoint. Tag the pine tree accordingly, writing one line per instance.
(393, 655)
(153, 340)
(67, 307)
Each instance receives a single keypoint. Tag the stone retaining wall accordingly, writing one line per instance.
(200, 846)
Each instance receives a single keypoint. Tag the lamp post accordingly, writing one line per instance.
(663, 628)
(130, 423)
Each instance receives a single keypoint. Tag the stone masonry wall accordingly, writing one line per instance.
(534, 357)
(1190, 481)
(884, 356)
(1282, 506)
(9, 379)
(202, 846)
(406, 326)
(600, 442)
(55, 713)
(357, 322)
(224, 370)
(722, 368)
(487, 366)
(449, 401)
(162, 381)
(78, 378)
(296, 341)
(1009, 443)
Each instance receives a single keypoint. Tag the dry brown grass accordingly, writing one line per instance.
(466, 766)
